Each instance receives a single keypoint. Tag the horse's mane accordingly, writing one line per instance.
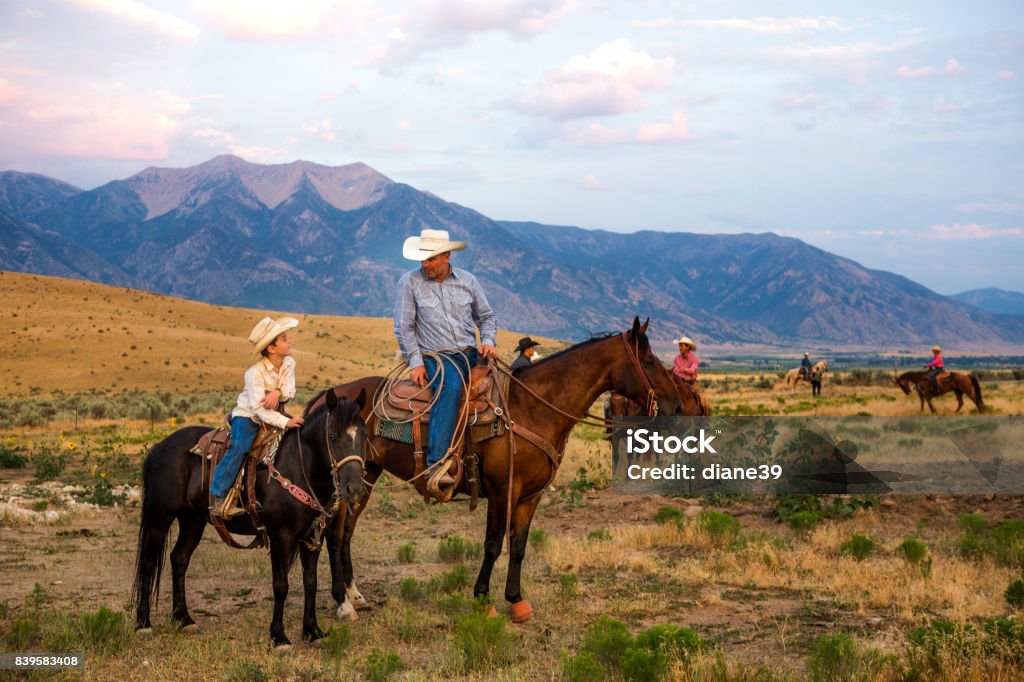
(312, 401)
(594, 338)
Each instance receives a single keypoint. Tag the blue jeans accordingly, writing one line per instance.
(243, 433)
(445, 412)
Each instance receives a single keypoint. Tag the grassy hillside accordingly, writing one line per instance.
(73, 336)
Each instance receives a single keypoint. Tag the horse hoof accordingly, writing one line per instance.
(191, 629)
(521, 611)
(491, 612)
(359, 601)
(280, 649)
(347, 611)
(144, 633)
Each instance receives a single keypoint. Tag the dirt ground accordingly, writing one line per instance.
(85, 561)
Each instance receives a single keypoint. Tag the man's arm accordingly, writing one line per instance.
(486, 320)
(405, 323)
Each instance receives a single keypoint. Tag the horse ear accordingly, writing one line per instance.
(332, 399)
(636, 327)
(361, 399)
(643, 327)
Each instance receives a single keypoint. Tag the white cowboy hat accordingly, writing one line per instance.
(687, 340)
(268, 329)
(430, 243)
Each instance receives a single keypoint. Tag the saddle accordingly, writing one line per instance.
(404, 415)
(212, 447)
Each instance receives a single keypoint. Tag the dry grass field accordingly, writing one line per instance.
(754, 588)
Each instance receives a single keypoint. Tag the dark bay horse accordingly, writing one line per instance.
(547, 400)
(693, 404)
(958, 382)
(326, 454)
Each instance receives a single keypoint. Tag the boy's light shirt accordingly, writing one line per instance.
(261, 379)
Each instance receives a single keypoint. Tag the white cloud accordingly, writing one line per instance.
(1006, 207)
(609, 80)
(592, 183)
(100, 124)
(1006, 75)
(953, 67)
(676, 130)
(324, 129)
(799, 101)
(908, 73)
(771, 24)
(969, 231)
(596, 135)
(9, 93)
(275, 20)
(945, 107)
(660, 22)
(162, 23)
(440, 24)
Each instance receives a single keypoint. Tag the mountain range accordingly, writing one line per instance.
(319, 239)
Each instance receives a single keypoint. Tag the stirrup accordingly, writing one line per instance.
(229, 508)
(434, 485)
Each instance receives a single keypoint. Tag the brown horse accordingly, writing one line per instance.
(694, 404)
(957, 382)
(545, 400)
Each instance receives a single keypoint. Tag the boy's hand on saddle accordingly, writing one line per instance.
(294, 422)
(418, 375)
(271, 400)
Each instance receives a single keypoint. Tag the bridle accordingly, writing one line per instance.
(634, 355)
(310, 499)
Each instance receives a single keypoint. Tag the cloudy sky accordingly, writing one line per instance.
(887, 132)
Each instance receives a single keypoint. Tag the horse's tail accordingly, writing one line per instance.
(977, 393)
(152, 546)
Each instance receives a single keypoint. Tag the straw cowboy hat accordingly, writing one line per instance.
(268, 329)
(429, 244)
(687, 340)
(936, 349)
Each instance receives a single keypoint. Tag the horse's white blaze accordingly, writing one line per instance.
(352, 592)
(346, 610)
(352, 432)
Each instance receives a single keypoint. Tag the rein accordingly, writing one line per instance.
(310, 498)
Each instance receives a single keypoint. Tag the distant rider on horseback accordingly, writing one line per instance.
(936, 366)
(805, 367)
(685, 365)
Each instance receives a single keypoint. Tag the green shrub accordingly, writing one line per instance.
(11, 458)
(599, 535)
(804, 521)
(538, 539)
(643, 665)
(21, 634)
(48, 465)
(411, 589)
(407, 553)
(485, 642)
(582, 668)
(973, 524)
(858, 546)
(838, 658)
(668, 515)
(381, 665)
(454, 580)
(568, 585)
(452, 548)
(682, 643)
(913, 550)
(1008, 543)
(1015, 594)
(607, 639)
(718, 526)
(104, 630)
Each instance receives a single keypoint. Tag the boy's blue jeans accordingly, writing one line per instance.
(445, 412)
(243, 433)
